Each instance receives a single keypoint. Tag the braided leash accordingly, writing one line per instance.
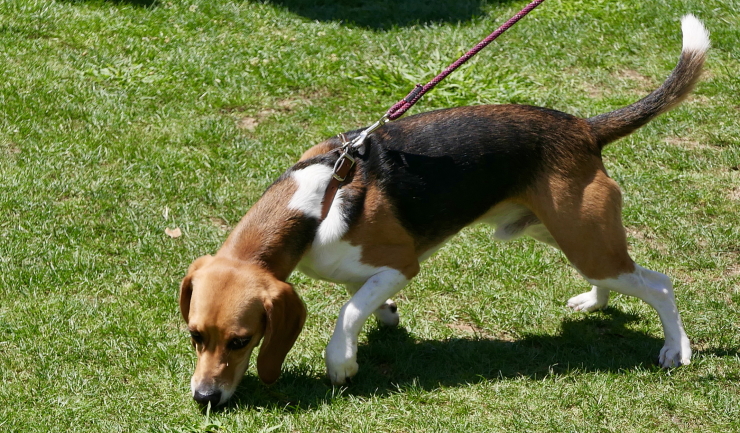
(345, 163)
(404, 104)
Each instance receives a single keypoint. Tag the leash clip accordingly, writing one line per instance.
(359, 141)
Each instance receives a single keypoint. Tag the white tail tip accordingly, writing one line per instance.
(695, 35)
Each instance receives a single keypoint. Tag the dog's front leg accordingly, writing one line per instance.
(341, 352)
(387, 314)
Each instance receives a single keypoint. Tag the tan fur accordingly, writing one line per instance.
(582, 212)
(316, 150)
(260, 235)
(384, 241)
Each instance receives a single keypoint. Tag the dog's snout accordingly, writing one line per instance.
(213, 397)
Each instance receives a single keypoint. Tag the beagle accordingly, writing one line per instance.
(524, 170)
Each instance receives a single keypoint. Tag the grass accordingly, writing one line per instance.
(123, 118)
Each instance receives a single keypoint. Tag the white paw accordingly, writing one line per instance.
(675, 354)
(589, 301)
(341, 361)
(387, 314)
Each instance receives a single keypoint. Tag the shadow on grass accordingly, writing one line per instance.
(384, 14)
(138, 3)
(393, 360)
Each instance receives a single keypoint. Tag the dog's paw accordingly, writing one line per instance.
(343, 374)
(675, 354)
(589, 301)
(387, 314)
(341, 362)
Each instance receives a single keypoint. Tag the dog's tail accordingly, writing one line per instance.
(610, 126)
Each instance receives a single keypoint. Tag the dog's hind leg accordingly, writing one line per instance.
(341, 352)
(386, 314)
(595, 299)
(655, 289)
(584, 217)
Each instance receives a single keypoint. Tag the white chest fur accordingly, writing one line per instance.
(312, 182)
(338, 262)
(329, 258)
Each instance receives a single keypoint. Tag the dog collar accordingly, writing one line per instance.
(342, 170)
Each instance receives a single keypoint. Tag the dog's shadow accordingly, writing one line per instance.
(392, 360)
(385, 14)
(136, 3)
(369, 14)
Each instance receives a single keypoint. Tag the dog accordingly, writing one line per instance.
(524, 170)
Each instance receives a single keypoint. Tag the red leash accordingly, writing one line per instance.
(345, 163)
(404, 104)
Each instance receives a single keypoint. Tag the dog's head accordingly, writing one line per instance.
(229, 306)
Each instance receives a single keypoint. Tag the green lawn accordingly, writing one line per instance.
(123, 118)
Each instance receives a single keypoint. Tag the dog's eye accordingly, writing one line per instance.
(196, 337)
(239, 343)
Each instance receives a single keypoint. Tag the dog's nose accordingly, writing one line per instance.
(214, 398)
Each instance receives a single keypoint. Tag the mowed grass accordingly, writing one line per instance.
(120, 119)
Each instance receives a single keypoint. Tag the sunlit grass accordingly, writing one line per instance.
(120, 119)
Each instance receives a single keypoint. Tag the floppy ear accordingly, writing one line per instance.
(186, 287)
(285, 317)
